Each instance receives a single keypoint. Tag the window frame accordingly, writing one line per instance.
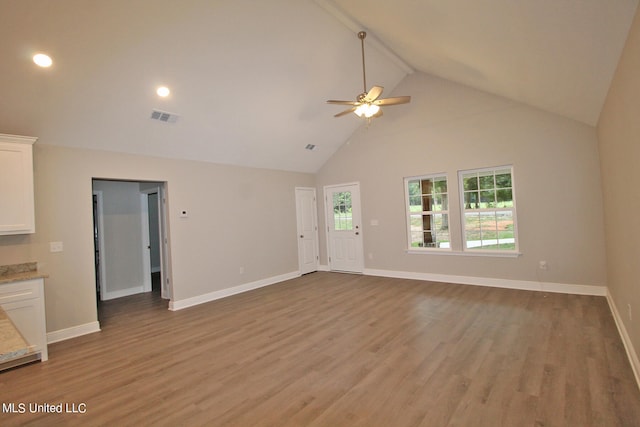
(495, 210)
(408, 213)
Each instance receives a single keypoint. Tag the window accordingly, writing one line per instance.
(342, 211)
(488, 209)
(427, 212)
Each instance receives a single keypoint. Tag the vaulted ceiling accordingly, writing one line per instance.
(249, 79)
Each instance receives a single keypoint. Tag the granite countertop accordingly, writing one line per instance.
(17, 272)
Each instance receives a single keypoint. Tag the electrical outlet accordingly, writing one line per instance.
(543, 265)
(629, 312)
(241, 270)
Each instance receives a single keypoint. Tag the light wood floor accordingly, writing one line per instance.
(333, 349)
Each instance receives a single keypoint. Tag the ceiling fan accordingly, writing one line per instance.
(368, 104)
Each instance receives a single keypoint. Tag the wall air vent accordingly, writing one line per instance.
(163, 116)
(311, 147)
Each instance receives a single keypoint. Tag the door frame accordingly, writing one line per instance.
(99, 223)
(357, 220)
(315, 232)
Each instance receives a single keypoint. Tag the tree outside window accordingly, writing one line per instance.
(427, 212)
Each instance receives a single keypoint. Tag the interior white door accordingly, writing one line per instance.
(146, 244)
(165, 266)
(307, 229)
(344, 227)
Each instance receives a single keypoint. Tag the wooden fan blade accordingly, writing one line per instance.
(345, 112)
(393, 101)
(373, 94)
(333, 101)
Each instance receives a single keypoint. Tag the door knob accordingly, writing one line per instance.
(357, 233)
(302, 236)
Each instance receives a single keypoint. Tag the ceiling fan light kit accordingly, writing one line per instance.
(367, 110)
(368, 104)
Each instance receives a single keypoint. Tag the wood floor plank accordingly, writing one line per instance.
(330, 349)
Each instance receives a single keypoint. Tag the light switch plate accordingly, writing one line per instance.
(55, 246)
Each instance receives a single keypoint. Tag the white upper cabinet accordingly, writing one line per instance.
(16, 185)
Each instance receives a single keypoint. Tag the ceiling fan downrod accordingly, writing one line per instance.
(362, 35)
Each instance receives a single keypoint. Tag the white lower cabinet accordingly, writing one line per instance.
(23, 302)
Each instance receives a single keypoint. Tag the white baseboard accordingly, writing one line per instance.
(212, 296)
(72, 332)
(493, 282)
(123, 293)
(626, 340)
(322, 267)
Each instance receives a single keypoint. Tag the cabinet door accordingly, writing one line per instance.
(23, 302)
(16, 188)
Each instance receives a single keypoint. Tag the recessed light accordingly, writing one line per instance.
(42, 60)
(163, 91)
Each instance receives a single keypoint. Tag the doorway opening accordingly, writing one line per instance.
(131, 242)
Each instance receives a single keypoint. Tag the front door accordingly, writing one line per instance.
(307, 230)
(344, 227)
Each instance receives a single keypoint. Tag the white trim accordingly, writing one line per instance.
(72, 332)
(526, 285)
(463, 210)
(18, 139)
(408, 213)
(435, 251)
(323, 267)
(124, 293)
(626, 340)
(212, 296)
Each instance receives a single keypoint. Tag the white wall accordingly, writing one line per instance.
(238, 217)
(449, 127)
(619, 137)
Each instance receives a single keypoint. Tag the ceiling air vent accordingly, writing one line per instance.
(163, 116)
